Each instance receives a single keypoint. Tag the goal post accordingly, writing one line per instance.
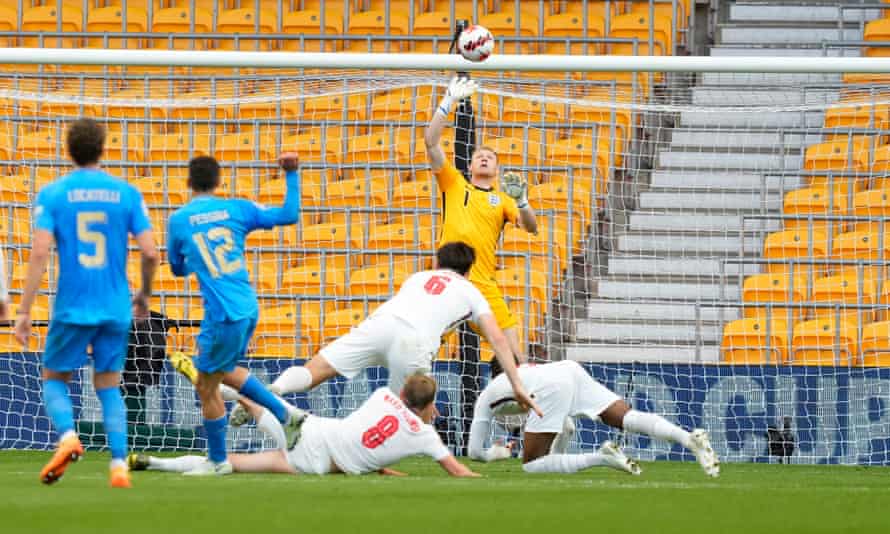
(711, 238)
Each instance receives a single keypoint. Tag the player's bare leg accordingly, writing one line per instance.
(69, 448)
(536, 457)
(620, 415)
(261, 462)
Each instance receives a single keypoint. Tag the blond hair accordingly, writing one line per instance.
(419, 391)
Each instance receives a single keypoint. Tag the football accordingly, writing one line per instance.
(476, 43)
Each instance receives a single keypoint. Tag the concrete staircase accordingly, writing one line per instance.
(685, 239)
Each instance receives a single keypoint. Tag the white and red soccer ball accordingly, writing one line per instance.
(475, 43)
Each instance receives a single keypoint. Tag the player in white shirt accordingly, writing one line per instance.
(381, 432)
(564, 390)
(405, 332)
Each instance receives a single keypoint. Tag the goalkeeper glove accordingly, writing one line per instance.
(515, 187)
(458, 89)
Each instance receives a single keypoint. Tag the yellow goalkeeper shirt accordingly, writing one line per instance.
(475, 216)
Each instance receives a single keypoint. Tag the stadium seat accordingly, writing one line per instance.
(596, 8)
(747, 342)
(314, 148)
(880, 164)
(165, 280)
(816, 201)
(572, 25)
(377, 281)
(437, 25)
(857, 115)
(309, 22)
(380, 147)
(521, 284)
(244, 20)
(416, 194)
(179, 147)
(872, 203)
(357, 193)
(244, 147)
(45, 19)
(775, 288)
(554, 195)
(372, 24)
(540, 248)
(398, 236)
(875, 346)
(790, 245)
(506, 28)
(878, 31)
(9, 22)
(842, 154)
(862, 245)
(310, 281)
(110, 19)
(398, 6)
(41, 145)
(350, 107)
(514, 153)
(824, 342)
(636, 26)
(135, 103)
(118, 147)
(663, 10)
(176, 20)
(347, 249)
(19, 188)
(402, 108)
(287, 331)
(841, 290)
(582, 155)
(338, 323)
(156, 189)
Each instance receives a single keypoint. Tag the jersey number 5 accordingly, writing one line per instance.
(93, 237)
(379, 433)
(436, 284)
(220, 239)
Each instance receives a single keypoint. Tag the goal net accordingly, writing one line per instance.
(710, 246)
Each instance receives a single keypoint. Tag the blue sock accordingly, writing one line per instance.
(254, 390)
(58, 405)
(216, 438)
(114, 415)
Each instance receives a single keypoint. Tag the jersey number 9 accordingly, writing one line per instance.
(88, 236)
(220, 239)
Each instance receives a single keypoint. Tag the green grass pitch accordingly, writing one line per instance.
(668, 497)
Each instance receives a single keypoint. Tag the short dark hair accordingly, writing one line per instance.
(86, 140)
(419, 391)
(203, 174)
(495, 366)
(456, 256)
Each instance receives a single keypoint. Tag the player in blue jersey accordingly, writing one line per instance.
(90, 215)
(206, 237)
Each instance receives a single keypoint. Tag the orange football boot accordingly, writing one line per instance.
(69, 450)
(120, 477)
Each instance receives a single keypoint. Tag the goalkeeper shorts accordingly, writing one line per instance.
(499, 308)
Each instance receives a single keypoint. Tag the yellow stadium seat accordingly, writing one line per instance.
(521, 284)
(877, 30)
(350, 107)
(177, 20)
(244, 20)
(41, 145)
(377, 281)
(380, 147)
(746, 342)
(398, 236)
(872, 203)
(463, 9)
(45, 19)
(582, 155)
(156, 190)
(313, 147)
(313, 281)
(663, 10)
(399, 6)
(816, 201)
(123, 148)
(111, 19)
(504, 26)
(287, 331)
(824, 342)
(373, 25)
(355, 193)
(244, 147)
(402, 108)
(179, 147)
(572, 25)
(596, 8)
(880, 164)
(136, 103)
(514, 152)
(166, 281)
(203, 104)
(842, 154)
(540, 248)
(554, 195)
(841, 290)
(861, 245)
(875, 344)
(338, 323)
(9, 22)
(18, 189)
(438, 27)
(417, 194)
(777, 289)
(789, 245)
(309, 22)
(334, 236)
(857, 115)
(636, 25)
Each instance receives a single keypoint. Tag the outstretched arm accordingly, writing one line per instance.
(457, 469)
(502, 352)
(515, 186)
(458, 89)
(289, 212)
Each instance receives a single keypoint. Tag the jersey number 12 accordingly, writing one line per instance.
(220, 240)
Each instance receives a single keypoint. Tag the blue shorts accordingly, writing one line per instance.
(222, 344)
(66, 346)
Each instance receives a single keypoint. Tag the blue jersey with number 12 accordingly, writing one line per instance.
(90, 214)
(206, 237)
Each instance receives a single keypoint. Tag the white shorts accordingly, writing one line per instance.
(310, 455)
(382, 340)
(574, 394)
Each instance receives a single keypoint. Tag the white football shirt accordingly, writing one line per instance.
(436, 302)
(380, 433)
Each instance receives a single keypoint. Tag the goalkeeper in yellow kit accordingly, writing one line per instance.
(476, 211)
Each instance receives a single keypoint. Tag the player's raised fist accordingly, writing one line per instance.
(289, 161)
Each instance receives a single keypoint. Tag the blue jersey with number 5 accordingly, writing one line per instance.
(206, 237)
(90, 214)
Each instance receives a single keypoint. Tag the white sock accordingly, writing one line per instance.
(293, 380)
(175, 465)
(229, 394)
(117, 462)
(67, 435)
(655, 426)
(563, 463)
(268, 424)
